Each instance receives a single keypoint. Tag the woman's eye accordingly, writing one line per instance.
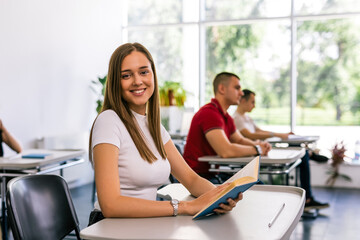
(125, 76)
(144, 72)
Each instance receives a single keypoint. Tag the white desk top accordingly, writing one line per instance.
(17, 162)
(294, 139)
(248, 220)
(275, 156)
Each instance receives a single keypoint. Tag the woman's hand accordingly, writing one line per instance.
(199, 203)
(224, 208)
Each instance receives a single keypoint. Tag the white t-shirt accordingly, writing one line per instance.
(244, 121)
(138, 178)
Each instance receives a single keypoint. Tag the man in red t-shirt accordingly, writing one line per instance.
(213, 132)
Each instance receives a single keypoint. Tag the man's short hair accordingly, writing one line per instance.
(247, 94)
(222, 78)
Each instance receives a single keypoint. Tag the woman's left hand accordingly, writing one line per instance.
(224, 208)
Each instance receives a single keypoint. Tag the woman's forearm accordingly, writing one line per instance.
(200, 186)
(123, 206)
(11, 141)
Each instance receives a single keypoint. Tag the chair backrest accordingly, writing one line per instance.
(40, 207)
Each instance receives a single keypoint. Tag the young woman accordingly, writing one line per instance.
(131, 151)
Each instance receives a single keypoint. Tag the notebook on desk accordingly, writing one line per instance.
(36, 155)
(282, 153)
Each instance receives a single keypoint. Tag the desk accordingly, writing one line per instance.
(248, 220)
(278, 162)
(16, 166)
(294, 140)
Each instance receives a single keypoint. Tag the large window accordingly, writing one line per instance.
(328, 72)
(318, 7)
(260, 54)
(246, 9)
(260, 40)
(169, 30)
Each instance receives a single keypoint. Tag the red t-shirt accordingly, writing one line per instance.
(209, 117)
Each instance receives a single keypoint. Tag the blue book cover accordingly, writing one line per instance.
(36, 155)
(240, 182)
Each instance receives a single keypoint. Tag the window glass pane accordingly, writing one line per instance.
(304, 7)
(328, 87)
(175, 52)
(238, 9)
(260, 55)
(143, 12)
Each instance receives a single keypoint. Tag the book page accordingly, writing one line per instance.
(243, 180)
(251, 169)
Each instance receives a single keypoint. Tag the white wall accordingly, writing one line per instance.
(50, 50)
(319, 174)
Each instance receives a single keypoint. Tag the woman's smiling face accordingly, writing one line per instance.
(137, 81)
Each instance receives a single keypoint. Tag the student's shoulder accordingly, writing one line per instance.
(108, 116)
(235, 114)
(207, 116)
(237, 117)
(208, 109)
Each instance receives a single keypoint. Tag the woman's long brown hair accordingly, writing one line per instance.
(113, 100)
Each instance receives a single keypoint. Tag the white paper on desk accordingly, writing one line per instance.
(282, 153)
(295, 137)
(245, 171)
(273, 139)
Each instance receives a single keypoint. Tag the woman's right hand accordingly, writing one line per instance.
(194, 206)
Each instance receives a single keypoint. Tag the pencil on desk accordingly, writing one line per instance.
(277, 214)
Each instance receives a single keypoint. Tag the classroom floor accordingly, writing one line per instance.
(340, 221)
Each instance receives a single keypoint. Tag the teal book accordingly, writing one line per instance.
(240, 182)
(36, 155)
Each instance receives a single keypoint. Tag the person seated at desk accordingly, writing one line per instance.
(249, 129)
(8, 139)
(213, 132)
(131, 151)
